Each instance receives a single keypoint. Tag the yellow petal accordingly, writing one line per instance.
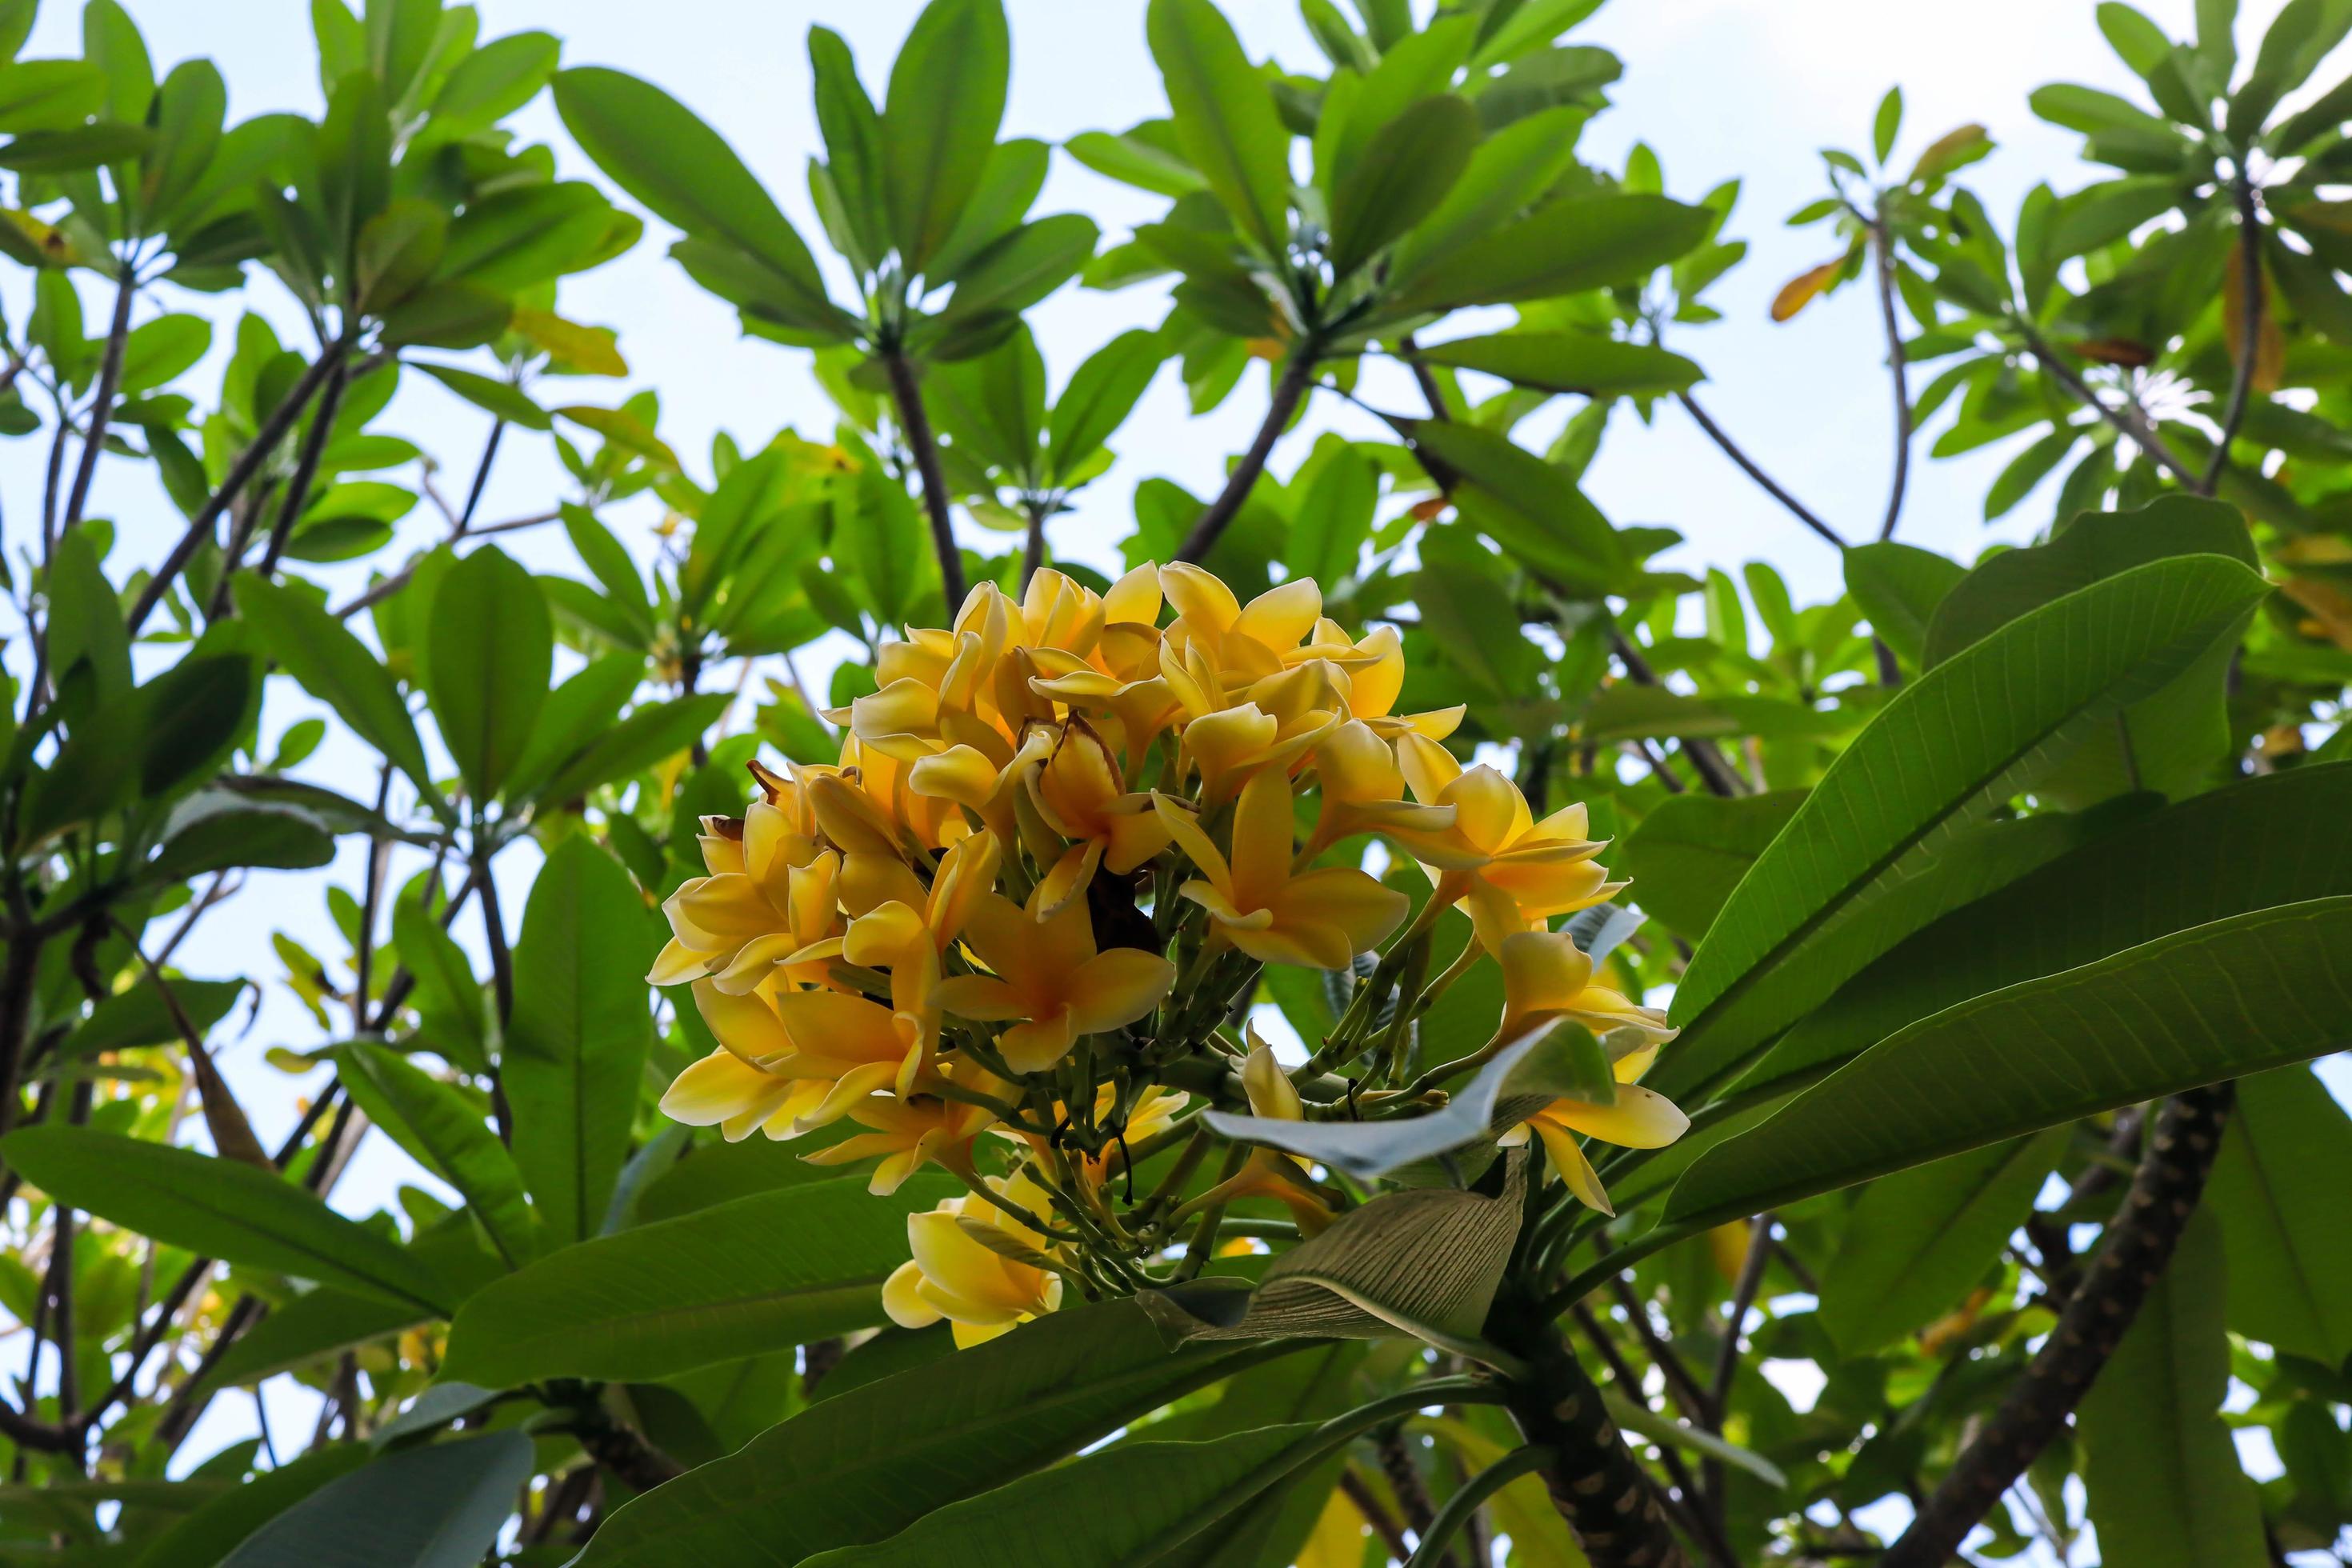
(747, 1026)
(1345, 899)
(1281, 618)
(961, 774)
(1641, 1118)
(1206, 604)
(1573, 1167)
(1263, 842)
(1113, 989)
(1427, 766)
(904, 1303)
(1184, 829)
(1134, 597)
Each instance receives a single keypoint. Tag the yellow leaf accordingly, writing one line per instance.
(2270, 343)
(2330, 607)
(591, 351)
(1941, 152)
(621, 429)
(1338, 1539)
(1728, 1244)
(1802, 290)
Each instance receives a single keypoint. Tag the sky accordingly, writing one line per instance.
(1717, 89)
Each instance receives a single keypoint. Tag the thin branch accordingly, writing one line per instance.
(1033, 554)
(1748, 466)
(1291, 385)
(306, 468)
(481, 476)
(2138, 1245)
(1376, 1514)
(1881, 246)
(101, 403)
(915, 423)
(249, 463)
(1712, 769)
(2129, 421)
(1410, 1492)
(2249, 328)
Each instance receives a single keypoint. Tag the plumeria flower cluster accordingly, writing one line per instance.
(1012, 934)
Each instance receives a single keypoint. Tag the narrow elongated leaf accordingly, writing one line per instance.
(487, 656)
(1166, 1494)
(440, 1506)
(1021, 268)
(335, 667)
(2275, 1190)
(1101, 393)
(2163, 1482)
(1564, 247)
(445, 1135)
(1402, 177)
(946, 101)
(2219, 1000)
(1224, 117)
(1949, 747)
(1697, 1439)
(2267, 841)
(1919, 1239)
(758, 1274)
(862, 1465)
(316, 1324)
(218, 1208)
(576, 1045)
(655, 149)
(1570, 361)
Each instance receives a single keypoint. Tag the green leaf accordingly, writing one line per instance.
(49, 95)
(1334, 517)
(511, 241)
(1898, 587)
(336, 667)
(1627, 711)
(444, 1132)
(129, 1019)
(502, 398)
(1407, 171)
(2298, 38)
(939, 120)
(2164, 1483)
(111, 41)
(487, 656)
(2266, 841)
(1225, 118)
(309, 1329)
(2173, 741)
(859, 1465)
(1166, 1494)
(1887, 124)
(1138, 158)
(1690, 852)
(657, 150)
(681, 1293)
(2290, 1277)
(1564, 247)
(652, 733)
(438, 1506)
(1920, 1239)
(576, 1045)
(1020, 269)
(1101, 393)
(2062, 1048)
(159, 350)
(70, 152)
(1511, 171)
(1531, 507)
(1947, 749)
(204, 1537)
(217, 1208)
(1581, 362)
(1663, 1429)
(449, 1003)
(86, 619)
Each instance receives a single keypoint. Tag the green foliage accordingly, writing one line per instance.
(1945, 876)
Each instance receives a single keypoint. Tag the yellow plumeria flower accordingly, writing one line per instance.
(1049, 982)
(1319, 919)
(1269, 1173)
(915, 1130)
(1076, 789)
(954, 1274)
(1545, 977)
(1520, 871)
(1363, 792)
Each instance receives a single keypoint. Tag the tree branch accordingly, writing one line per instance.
(306, 468)
(2249, 328)
(1288, 388)
(907, 396)
(101, 403)
(1748, 466)
(2129, 421)
(2138, 1243)
(249, 463)
(1704, 759)
(1883, 247)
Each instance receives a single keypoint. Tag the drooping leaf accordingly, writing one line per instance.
(335, 667)
(439, 1506)
(864, 1464)
(218, 1208)
(2032, 1055)
(1898, 587)
(1102, 392)
(1918, 1239)
(1402, 177)
(753, 1275)
(448, 1136)
(2163, 1482)
(2290, 1275)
